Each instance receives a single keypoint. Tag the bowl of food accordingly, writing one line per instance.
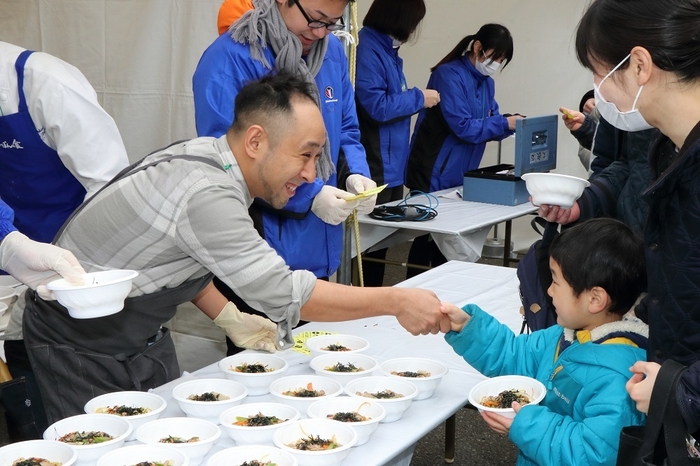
(554, 189)
(208, 398)
(395, 394)
(144, 455)
(136, 407)
(336, 343)
(90, 435)
(343, 367)
(363, 415)
(252, 455)
(425, 373)
(254, 370)
(192, 436)
(497, 394)
(37, 453)
(300, 391)
(256, 423)
(102, 293)
(317, 442)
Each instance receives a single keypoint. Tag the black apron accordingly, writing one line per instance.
(75, 360)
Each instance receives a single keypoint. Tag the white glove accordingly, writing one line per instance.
(357, 184)
(247, 330)
(330, 205)
(35, 264)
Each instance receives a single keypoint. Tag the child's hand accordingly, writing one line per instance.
(498, 423)
(458, 318)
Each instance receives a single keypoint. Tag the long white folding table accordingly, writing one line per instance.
(493, 288)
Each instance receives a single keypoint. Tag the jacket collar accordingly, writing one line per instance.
(629, 331)
(468, 64)
(384, 40)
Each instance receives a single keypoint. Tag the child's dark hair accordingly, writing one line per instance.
(606, 253)
(492, 36)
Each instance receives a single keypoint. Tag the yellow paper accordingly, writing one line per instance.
(368, 193)
(300, 340)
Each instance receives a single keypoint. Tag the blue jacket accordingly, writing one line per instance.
(7, 216)
(384, 107)
(586, 405)
(449, 139)
(301, 238)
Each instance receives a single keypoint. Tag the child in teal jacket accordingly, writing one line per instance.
(598, 272)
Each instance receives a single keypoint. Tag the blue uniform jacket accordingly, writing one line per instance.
(384, 107)
(7, 216)
(586, 406)
(301, 238)
(449, 139)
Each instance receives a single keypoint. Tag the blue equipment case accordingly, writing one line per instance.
(535, 151)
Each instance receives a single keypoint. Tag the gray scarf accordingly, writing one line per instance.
(263, 26)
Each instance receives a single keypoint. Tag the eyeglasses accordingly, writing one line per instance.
(316, 24)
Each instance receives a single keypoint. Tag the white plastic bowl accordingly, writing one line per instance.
(9, 280)
(344, 404)
(132, 399)
(257, 383)
(185, 427)
(554, 189)
(256, 435)
(209, 410)
(48, 449)
(344, 434)
(426, 385)
(394, 407)
(262, 453)
(331, 388)
(317, 344)
(135, 454)
(115, 426)
(364, 362)
(7, 295)
(495, 385)
(102, 294)
(3, 308)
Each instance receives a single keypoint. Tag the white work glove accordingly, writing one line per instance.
(358, 184)
(330, 205)
(35, 264)
(247, 330)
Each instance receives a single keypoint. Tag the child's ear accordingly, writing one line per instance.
(598, 300)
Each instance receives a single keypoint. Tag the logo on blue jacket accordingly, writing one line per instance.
(330, 94)
(14, 145)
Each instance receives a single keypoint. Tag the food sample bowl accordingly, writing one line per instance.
(426, 374)
(50, 450)
(394, 407)
(115, 426)
(258, 383)
(324, 344)
(151, 433)
(330, 387)
(533, 388)
(554, 189)
(209, 410)
(135, 454)
(344, 434)
(102, 294)
(340, 406)
(258, 434)
(250, 453)
(123, 401)
(335, 365)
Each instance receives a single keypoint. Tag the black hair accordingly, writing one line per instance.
(667, 29)
(492, 37)
(397, 19)
(290, 3)
(269, 98)
(602, 252)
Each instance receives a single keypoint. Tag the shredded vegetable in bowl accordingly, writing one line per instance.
(257, 420)
(340, 367)
(307, 392)
(351, 416)
(311, 443)
(173, 439)
(506, 398)
(384, 394)
(123, 410)
(255, 368)
(155, 463)
(85, 438)
(34, 461)
(336, 347)
(208, 396)
(258, 463)
(412, 374)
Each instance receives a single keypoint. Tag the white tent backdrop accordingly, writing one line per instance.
(139, 55)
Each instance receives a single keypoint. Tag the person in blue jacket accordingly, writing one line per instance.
(584, 361)
(449, 139)
(293, 36)
(385, 103)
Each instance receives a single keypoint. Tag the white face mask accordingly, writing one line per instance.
(626, 121)
(487, 67)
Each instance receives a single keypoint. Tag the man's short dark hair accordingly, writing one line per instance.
(606, 253)
(269, 99)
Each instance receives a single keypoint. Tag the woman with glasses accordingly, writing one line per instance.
(449, 139)
(384, 101)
